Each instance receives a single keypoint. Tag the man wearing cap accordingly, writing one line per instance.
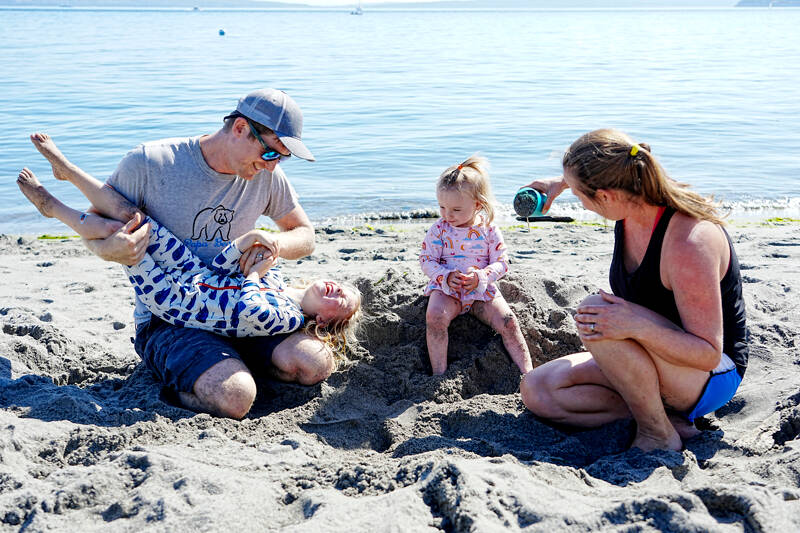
(209, 190)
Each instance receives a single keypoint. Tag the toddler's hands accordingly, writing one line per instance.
(460, 281)
(469, 281)
(453, 281)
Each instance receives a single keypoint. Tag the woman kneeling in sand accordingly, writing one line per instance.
(672, 337)
(179, 288)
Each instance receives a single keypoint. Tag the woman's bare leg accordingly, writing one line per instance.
(87, 225)
(578, 390)
(615, 377)
(104, 199)
(572, 390)
(633, 374)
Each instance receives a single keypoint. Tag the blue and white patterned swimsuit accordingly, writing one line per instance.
(177, 287)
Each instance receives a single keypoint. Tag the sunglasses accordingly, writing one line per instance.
(269, 154)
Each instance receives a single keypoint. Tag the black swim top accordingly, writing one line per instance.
(643, 286)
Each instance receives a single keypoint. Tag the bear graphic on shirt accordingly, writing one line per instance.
(218, 220)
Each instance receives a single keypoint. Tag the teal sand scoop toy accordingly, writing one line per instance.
(529, 203)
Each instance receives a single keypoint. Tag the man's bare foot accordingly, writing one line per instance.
(47, 147)
(685, 429)
(648, 443)
(36, 193)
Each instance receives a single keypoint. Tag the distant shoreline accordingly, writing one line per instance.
(341, 9)
(373, 4)
(433, 5)
(301, 8)
(384, 7)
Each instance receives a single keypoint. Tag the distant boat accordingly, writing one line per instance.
(358, 10)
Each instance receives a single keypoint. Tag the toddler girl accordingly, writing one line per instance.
(463, 254)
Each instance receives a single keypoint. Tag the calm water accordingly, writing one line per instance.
(392, 98)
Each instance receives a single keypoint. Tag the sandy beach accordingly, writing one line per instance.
(90, 442)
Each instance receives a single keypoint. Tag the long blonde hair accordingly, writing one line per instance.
(471, 176)
(336, 334)
(610, 159)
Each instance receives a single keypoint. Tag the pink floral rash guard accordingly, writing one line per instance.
(479, 248)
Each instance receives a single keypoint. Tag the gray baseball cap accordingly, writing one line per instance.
(276, 110)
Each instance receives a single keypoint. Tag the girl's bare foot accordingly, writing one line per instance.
(47, 147)
(36, 193)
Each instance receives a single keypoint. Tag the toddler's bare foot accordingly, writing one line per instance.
(47, 147)
(36, 193)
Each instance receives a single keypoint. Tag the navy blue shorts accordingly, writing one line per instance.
(178, 356)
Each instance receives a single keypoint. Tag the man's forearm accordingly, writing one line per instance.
(126, 246)
(296, 243)
(96, 246)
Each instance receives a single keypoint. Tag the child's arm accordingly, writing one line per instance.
(262, 303)
(431, 253)
(268, 307)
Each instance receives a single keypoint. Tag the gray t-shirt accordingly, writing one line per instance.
(171, 182)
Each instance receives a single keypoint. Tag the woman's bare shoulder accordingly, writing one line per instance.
(690, 232)
(692, 243)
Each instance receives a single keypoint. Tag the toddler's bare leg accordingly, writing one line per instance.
(88, 226)
(497, 314)
(442, 309)
(105, 200)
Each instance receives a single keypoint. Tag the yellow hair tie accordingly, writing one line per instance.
(634, 150)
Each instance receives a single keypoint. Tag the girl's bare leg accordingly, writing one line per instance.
(442, 309)
(497, 314)
(63, 169)
(104, 199)
(87, 225)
